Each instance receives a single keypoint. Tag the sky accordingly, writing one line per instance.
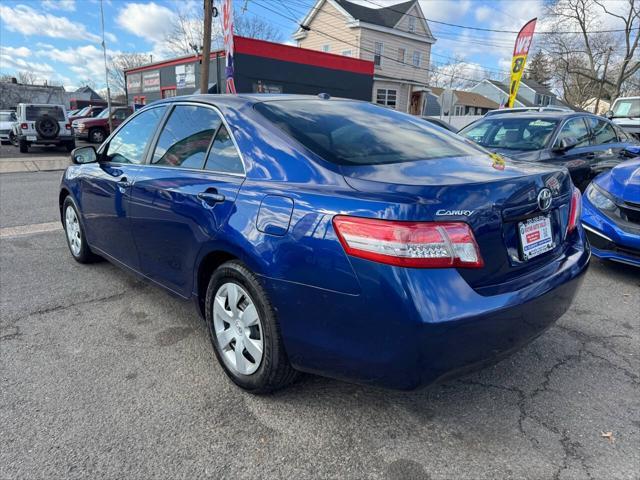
(60, 40)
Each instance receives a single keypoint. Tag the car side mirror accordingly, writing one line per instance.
(82, 155)
(609, 114)
(566, 143)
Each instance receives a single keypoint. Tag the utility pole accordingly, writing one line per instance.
(206, 46)
(604, 76)
(106, 69)
(451, 93)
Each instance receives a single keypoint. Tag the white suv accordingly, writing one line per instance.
(42, 124)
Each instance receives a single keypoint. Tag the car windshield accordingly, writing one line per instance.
(103, 114)
(7, 116)
(82, 111)
(34, 112)
(629, 107)
(509, 133)
(357, 133)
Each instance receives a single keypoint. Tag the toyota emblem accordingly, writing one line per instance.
(544, 199)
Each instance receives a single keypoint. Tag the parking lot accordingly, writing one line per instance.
(103, 375)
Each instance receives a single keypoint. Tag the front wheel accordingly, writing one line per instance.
(97, 135)
(244, 330)
(74, 231)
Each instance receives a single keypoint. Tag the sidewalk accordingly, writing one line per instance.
(33, 164)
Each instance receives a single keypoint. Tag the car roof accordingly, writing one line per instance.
(243, 98)
(557, 114)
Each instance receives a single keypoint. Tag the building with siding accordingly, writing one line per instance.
(397, 39)
(439, 101)
(530, 93)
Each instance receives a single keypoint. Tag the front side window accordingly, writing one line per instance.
(129, 144)
(602, 131)
(377, 55)
(523, 134)
(575, 132)
(357, 133)
(417, 58)
(186, 137)
(223, 156)
(386, 97)
(120, 114)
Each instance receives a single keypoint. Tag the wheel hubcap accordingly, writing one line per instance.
(72, 226)
(238, 329)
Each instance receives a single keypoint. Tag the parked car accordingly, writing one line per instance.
(97, 129)
(42, 124)
(625, 112)
(329, 235)
(7, 119)
(90, 111)
(501, 111)
(440, 123)
(581, 142)
(611, 214)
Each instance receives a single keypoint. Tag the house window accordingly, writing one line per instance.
(263, 87)
(326, 47)
(386, 97)
(346, 53)
(377, 55)
(459, 111)
(412, 24)
(401, 54)
(417, 58)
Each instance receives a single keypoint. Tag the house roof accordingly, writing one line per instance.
(470, 99)
(505, 89)
(537, 87)
(93, 95)
(386, 16)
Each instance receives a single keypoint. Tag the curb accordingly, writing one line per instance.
(33, 164)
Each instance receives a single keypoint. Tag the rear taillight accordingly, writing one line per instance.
(68, 126)
(409, 244)
(24, 126)
(575, 210)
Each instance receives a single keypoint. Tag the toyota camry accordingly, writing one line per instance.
(330, 236)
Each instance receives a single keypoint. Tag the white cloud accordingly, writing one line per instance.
(146, 20)
(27, 21)
(445, 10)
(86, 61)
(15, 51)
(68, 5)
(483, 13)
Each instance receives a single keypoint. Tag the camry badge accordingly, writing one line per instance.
(466, 213)
(544, 199)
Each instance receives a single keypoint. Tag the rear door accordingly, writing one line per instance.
(184, 194)
(106, 187)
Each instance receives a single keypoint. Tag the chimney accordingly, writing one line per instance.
(14, 80)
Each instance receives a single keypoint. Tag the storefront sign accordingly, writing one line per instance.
(151, 81)
(185, 76)
(134, 83)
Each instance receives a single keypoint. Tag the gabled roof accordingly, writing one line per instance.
(385, 16)
(537, 87)
(470, 99)
(505, 89)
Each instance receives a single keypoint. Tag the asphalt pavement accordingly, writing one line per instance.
(105, 376)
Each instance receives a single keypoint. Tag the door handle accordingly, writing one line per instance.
(211, 197)
(124, 183)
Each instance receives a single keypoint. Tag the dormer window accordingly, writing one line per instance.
(412, 24)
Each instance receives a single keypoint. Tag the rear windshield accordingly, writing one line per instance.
(358, 133)
(629, 107)
(34, 112)
(510, 133)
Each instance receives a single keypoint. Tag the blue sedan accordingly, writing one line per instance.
(611, 214)
(330, 236)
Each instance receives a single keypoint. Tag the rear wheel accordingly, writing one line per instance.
(97, 135)
(24, 146)
(244, 330)
(74, 231)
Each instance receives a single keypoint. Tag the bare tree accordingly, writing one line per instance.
(121, 62)
(186, 33)
(578, 58)
(27, 77)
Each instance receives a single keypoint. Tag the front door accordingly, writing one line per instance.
(106, 191)
(184, 195)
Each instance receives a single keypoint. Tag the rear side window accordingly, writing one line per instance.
(34, 112)
(575, 130)
(223, 156)
(602, 130)
(129, 144)
(186, 137)
(358, 133)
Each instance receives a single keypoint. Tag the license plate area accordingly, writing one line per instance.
(31, 138)
(536, 236)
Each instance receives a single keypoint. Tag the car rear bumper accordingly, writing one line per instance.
(608, 240)
(412, 327)
(49, 141)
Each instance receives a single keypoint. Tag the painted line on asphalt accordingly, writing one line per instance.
(34, 228)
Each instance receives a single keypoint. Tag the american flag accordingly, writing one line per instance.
(227, 24)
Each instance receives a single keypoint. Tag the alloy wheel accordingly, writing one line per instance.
(72, 227)
(238, 329)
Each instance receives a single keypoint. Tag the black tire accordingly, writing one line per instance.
(13, 139)
(97, 135)
(275, 370)
(69, 146)
(85, 255)
(24, 146)
(47, 127)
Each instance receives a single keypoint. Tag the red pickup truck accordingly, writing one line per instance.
(97, 129)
